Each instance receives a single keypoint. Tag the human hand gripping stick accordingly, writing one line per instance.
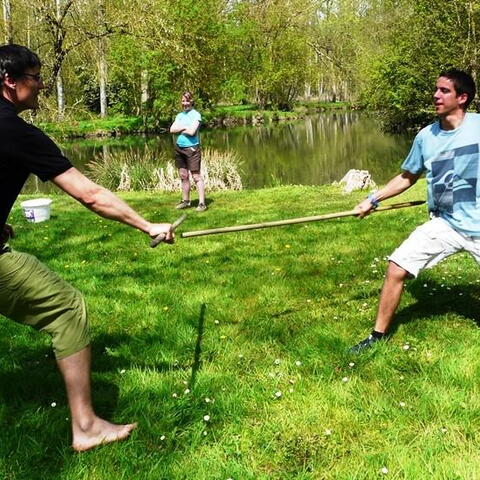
(169, 236)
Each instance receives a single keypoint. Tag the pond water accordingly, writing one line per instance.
(316, 150)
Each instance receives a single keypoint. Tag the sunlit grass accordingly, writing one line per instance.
(267, 364)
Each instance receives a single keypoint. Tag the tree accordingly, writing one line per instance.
(176, 45)
(426, 42)
(271, 48)
(7, 20)
(62, 28)
(102, 60)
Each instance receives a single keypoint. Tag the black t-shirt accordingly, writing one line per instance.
(24, 149)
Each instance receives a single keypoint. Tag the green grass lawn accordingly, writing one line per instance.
(265, 360)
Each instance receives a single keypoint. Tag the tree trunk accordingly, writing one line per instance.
(144, 94)
(29, 40)
(102, 74)
(7, 18)
(60, 91)
(102, 70)
(60, 97)
(308, 91)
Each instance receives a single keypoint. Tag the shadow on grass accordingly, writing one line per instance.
(437, 300)
(35, 420)
(198, 346)
(194, 204)
(103, 362)
(131, 350)
(34, 416)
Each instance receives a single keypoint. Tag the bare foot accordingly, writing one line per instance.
(99, 433)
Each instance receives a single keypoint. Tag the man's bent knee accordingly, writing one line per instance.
(33, 295)
(70, 331)
(396, 272)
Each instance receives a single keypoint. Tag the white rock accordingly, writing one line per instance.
(357, 180)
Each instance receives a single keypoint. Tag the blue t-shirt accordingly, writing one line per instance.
(186, 119)
(450, 159)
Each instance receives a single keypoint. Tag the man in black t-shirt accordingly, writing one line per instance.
(30, 293)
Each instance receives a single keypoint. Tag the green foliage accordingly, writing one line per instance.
(125, 66)
(427, 41)
(182, 45)
(270, 49)
(384, 55)
(94, 127)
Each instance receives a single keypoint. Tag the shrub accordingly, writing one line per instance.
(132, 170)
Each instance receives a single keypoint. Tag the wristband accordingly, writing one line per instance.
(375, 203)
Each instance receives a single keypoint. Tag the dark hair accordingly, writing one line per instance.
(15, 59)
(463, 83)
(189, 97)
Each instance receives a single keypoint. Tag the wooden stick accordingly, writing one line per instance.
(160, 238)
(292, 221)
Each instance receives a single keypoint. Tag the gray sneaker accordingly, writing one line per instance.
(183, 204)
(201, 207)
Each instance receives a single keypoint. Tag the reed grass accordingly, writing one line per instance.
(131, 170)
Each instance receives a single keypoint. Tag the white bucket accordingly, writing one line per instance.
(37, 210)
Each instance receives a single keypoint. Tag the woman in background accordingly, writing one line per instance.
(187, 152)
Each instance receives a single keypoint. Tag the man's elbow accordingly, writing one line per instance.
(412, 179)
(408, 179)
(92, 197)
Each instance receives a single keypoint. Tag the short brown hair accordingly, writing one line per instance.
(189, 96)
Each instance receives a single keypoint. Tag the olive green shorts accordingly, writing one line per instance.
(33, 295)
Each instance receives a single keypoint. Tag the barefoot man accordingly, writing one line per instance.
(30, 293)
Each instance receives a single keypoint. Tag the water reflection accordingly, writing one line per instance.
(315, 151)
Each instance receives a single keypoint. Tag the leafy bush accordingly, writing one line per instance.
(402, 78)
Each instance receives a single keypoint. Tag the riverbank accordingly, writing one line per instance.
(221, 116)
(316, 150)
(259, 387)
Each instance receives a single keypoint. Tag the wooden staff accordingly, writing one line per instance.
(161, 237)
(292, 221)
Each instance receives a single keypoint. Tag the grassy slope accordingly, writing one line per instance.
(273, 298)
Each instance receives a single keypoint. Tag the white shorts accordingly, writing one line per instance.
(430, 243)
